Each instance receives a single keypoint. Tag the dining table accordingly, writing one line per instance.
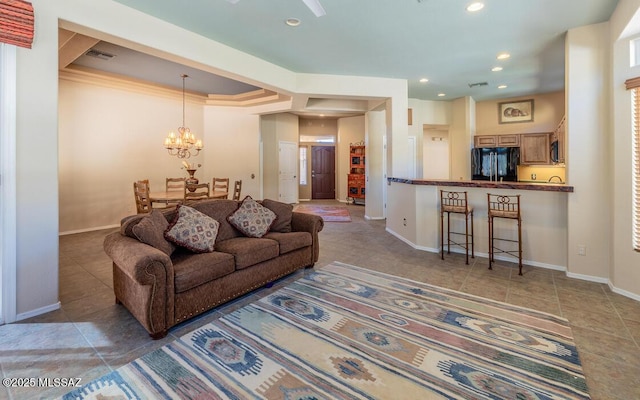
(174, 196)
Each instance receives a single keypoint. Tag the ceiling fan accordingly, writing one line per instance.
(314, 5)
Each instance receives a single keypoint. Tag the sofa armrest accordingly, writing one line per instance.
(301, 222)
(143, 281)
(133, 257)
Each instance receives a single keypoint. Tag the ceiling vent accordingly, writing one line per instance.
(478, 84)
(99, 54)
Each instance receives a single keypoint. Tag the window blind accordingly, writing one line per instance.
(634, 85)
(16, 22)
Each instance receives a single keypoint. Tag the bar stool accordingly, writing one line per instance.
(500, 206)
(455, 202)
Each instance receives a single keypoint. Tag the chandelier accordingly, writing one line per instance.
(184, 142)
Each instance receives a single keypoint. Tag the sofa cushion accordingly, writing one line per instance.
(150, 230)
(191, 270)
(283, 213)
(193, 230)
(249, 251)
(290, 241)
(252, 219)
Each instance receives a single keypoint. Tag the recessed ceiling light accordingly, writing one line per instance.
(424, 80)
(502, 86)
(292, 21)
(496, 69)
(441, 94)
(503, 56)
(477, 6)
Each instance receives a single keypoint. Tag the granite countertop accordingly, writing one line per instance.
(541, 186)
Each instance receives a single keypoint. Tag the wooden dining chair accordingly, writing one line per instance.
(175, 185)
(197, 191)
(141, 195)
(237, 187)
(220, 185)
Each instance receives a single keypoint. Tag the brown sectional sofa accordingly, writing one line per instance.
(162, 290)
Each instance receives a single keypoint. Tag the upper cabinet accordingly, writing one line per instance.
(535, 148)
(497, 141)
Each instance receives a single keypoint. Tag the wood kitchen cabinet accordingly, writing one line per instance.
(497, 141)
(535, 148)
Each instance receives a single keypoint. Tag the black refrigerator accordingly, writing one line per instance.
(495, 163)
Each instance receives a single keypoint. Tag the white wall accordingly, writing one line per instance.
(588, 132)
(350, 130)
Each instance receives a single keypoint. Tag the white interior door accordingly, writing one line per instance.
(288, 172)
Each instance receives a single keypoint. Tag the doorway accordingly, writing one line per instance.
(323, 172)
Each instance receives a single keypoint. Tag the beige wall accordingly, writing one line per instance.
(108, 138)
(232, 148)
(624, 272)
(588, 166)
(350, 130)
(461, 132)
(431, 113)
(274, 129)
(548, 110)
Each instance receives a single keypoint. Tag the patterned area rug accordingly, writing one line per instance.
(343, 332)
(328, 213)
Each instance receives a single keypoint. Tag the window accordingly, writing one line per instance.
(303, 165)
(634, 85)
(635, 52)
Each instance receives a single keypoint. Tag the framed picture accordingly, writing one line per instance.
(515, 111)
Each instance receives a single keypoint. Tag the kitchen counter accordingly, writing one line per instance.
(413, 215)
(539, 186)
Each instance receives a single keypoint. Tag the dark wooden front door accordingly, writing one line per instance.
(323, 172)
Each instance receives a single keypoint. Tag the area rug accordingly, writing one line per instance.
(344, 332)
(328, 213)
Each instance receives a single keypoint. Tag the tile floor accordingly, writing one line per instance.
(90, 335)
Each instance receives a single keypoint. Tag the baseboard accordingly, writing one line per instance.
(484, 255)
(623, 292)
(97, 228)
(589, 278)
(38, 311)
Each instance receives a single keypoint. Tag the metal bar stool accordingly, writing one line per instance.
(456, 202)
(500, 206)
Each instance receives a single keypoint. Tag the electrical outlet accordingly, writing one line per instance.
(582, 250)
(533, 177)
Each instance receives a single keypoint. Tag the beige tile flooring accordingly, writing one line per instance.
(90, 335)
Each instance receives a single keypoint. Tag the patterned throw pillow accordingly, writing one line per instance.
(150, 230)
(251, 218)
(193, 230)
